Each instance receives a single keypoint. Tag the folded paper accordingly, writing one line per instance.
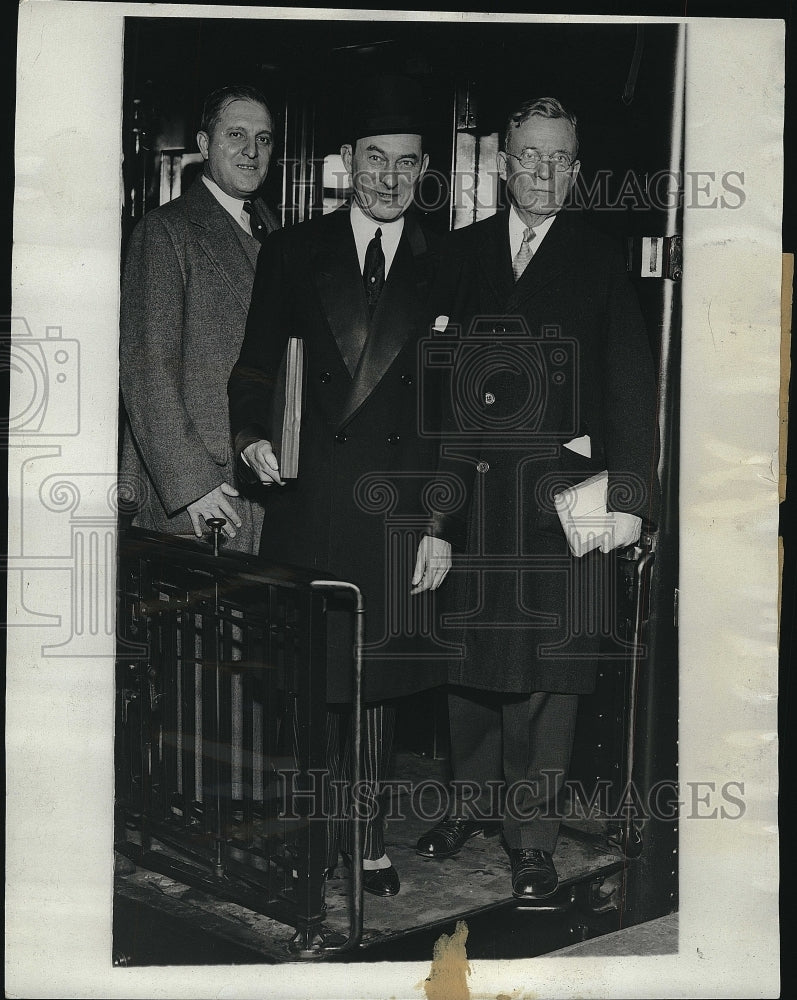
(582, 511)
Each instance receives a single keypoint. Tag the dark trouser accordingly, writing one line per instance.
(520, 744)
(379, 724)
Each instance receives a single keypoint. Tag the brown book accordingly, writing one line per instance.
(288, 399)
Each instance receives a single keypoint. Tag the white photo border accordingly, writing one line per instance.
(60, 710)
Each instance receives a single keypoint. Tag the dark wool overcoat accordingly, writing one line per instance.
(364, 461)
(186, 286)
(561, 354)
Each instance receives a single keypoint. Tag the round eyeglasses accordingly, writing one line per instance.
(531, 158)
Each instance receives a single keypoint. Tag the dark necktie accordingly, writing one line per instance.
(374, 270)
(259, 231)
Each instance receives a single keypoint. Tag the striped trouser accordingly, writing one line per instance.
(379, 724)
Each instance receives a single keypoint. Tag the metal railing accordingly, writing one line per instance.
(221, 714)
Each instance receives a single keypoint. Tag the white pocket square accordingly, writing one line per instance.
(581, 446)
(440, 324)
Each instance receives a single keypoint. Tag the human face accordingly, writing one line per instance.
(384, 171)
(538, 192)
(238, 152)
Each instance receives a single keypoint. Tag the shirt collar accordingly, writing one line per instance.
(232, 205)
(365, 227)
(517, 228)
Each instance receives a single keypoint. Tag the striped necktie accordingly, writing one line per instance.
(523, 256)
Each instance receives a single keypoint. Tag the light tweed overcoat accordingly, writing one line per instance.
(186, 287)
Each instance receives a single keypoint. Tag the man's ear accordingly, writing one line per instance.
(574, 169)
(346, 153)
(424, 165)
(203, 141)
(500, 162)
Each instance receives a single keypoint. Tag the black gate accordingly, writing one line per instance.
(221, 702)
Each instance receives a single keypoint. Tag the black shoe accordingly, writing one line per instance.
(446, 839)
(381, 881)
(378, 881)
(533, 874)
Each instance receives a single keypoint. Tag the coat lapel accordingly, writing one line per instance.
(336, 272)
(397, 315)
(495, 258)
(219, 241)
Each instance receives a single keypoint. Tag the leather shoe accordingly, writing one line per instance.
(446, 839)
(533, 874)
(381, 881)
(378, 881)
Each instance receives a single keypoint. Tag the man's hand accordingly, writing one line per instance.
(431, 564)
(261, 459)
(624, 530)
(213, 504)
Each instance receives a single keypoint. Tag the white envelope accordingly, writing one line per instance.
(582, 511)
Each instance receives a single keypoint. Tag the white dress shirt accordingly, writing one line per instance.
(235, 206)
(364, 230)
(517, 228)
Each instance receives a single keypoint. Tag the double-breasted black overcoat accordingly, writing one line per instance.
(563, 354)
(364, 460)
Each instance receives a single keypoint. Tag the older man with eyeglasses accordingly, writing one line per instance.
(551, 382)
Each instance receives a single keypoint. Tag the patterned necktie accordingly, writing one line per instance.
(374, 270)
(256, 227)
(523, 256)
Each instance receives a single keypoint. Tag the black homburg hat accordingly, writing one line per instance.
(389, 105)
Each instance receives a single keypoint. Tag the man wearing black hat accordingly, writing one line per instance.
(354, 286)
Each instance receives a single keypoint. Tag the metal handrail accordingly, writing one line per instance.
(356, 895)
(194, 555)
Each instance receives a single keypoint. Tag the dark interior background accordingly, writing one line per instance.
(170, 64)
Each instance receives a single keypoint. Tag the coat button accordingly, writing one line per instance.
(325, 377)
(393, 438)
(407, 379)
(340, 437)
(499, 328)
(489, 398)
(483, 467)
